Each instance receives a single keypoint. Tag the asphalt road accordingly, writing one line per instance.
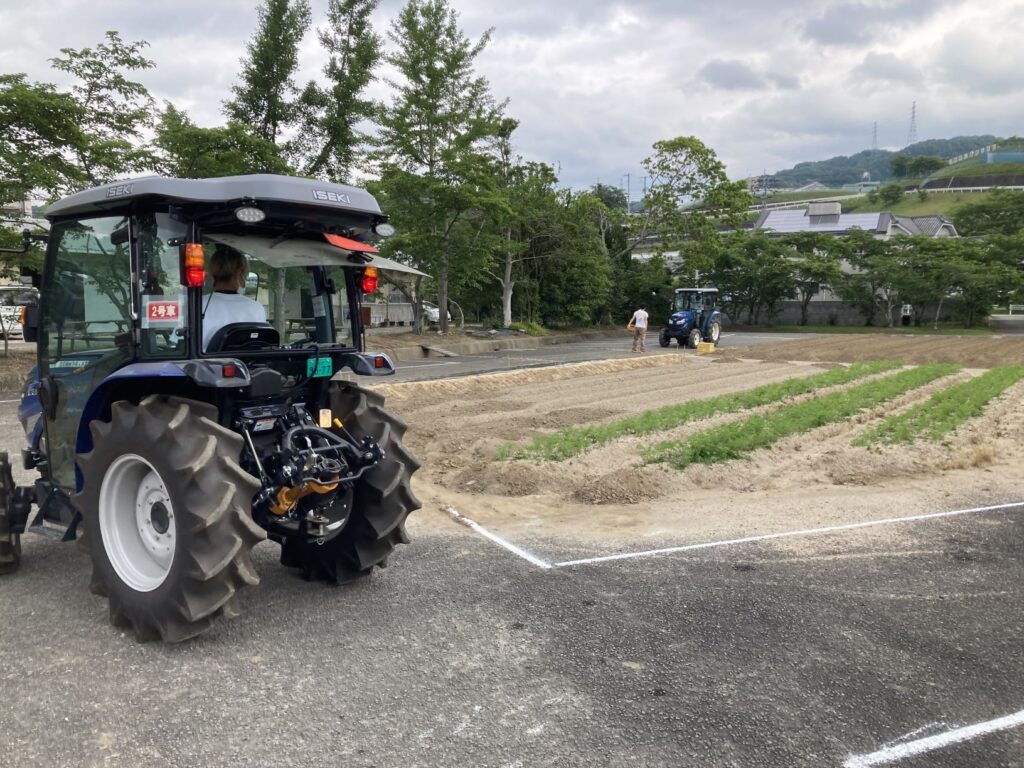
(800, 652)
(559, 354)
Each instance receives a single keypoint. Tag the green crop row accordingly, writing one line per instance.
(571, 441)
(945, 410)
(735, 440)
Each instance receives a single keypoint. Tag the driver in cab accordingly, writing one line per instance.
(226, 303)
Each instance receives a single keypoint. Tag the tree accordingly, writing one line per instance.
(613, 197)
(38, 124)
(187, 151)
(434, 172)
(577, 276)
(1001, 213)
(816, 266)
(329, 137)
(890, 194)
(874, 278)
(754, 271)
(925, 165)
(900, 165)
(689, 198)
(265, 97)
(113, 111)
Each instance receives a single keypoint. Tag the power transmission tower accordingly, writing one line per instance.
(874, 137)
(912, 135)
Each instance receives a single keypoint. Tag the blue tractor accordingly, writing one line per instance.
(693, 318)
(177, 446)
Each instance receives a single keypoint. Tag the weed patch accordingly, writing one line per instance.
(571, 441)
(733, 441)
(944, 411)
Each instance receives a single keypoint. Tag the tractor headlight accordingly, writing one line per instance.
(384, 229)
(250, 215)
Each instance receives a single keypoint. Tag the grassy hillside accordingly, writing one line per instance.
(979, 169)
(936, 203)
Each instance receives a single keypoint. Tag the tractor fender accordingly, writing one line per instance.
(716, 315)
(30, 410)
(146, 377)
(366, 363)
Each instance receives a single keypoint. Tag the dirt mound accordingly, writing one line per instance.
(629, 485)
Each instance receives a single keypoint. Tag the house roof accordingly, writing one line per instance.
(923, 225)
(785, 222)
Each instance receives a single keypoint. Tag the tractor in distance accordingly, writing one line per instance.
(693, 318)
(175, 452)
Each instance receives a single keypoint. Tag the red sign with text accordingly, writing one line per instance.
(166, 311)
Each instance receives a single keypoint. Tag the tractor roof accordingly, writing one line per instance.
(259, 187)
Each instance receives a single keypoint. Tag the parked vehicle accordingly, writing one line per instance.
(14, 299)
(432, 314)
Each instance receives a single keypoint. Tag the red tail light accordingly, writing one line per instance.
(195, 265)
(378, 362)
(369, 282)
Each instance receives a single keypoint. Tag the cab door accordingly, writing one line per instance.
(87, 319)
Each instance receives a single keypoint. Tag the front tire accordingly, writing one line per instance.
(169, 515)
(381, 500)
(663, 338)
(693, 339)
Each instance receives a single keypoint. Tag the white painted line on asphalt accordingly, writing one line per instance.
(4, 402)
(475, 526)
(425, 365)
(920, 746)
(785, 535)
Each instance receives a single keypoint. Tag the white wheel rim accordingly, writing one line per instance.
(715, 333)
(137, 522)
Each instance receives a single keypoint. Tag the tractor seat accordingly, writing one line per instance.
(243, 336)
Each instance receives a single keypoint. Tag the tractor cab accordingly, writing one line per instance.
(693, 318)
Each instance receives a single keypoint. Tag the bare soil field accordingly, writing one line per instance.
(968, 351)
(457, 427)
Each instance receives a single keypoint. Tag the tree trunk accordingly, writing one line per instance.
(938, 312)
(506, 283)
(442, 297)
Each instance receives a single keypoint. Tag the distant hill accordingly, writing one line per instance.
(840, 170)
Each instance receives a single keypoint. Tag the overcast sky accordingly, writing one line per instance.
(594, 82)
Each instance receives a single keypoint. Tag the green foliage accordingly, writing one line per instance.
(1002, 213)
(737, 439)
(816, 266)
(329, 136)
(572, 441)
(890, 194)
(613, 197)
(187, 151)
(530, 329)
(38, 125)
(683, 172)
(637, 283)
(945, 410)
(754, 273)
(265, 96)
(113, 111)
(435, 176)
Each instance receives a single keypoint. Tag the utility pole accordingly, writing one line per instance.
(628, 192)
(912, 135)
(874, 137)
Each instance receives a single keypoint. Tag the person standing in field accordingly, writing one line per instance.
(638, 325)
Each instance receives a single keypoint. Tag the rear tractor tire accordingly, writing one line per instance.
(714, 332)
(381, 500)
(10, 543)
(169, 515)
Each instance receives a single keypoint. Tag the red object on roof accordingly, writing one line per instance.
(350, 245)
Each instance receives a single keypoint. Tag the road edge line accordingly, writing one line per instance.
(474, 526)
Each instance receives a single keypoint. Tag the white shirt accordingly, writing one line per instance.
(640, 318)
(225, 308)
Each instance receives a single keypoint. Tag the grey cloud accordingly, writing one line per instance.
(858, 23)
(730, 75)
(887, 67)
